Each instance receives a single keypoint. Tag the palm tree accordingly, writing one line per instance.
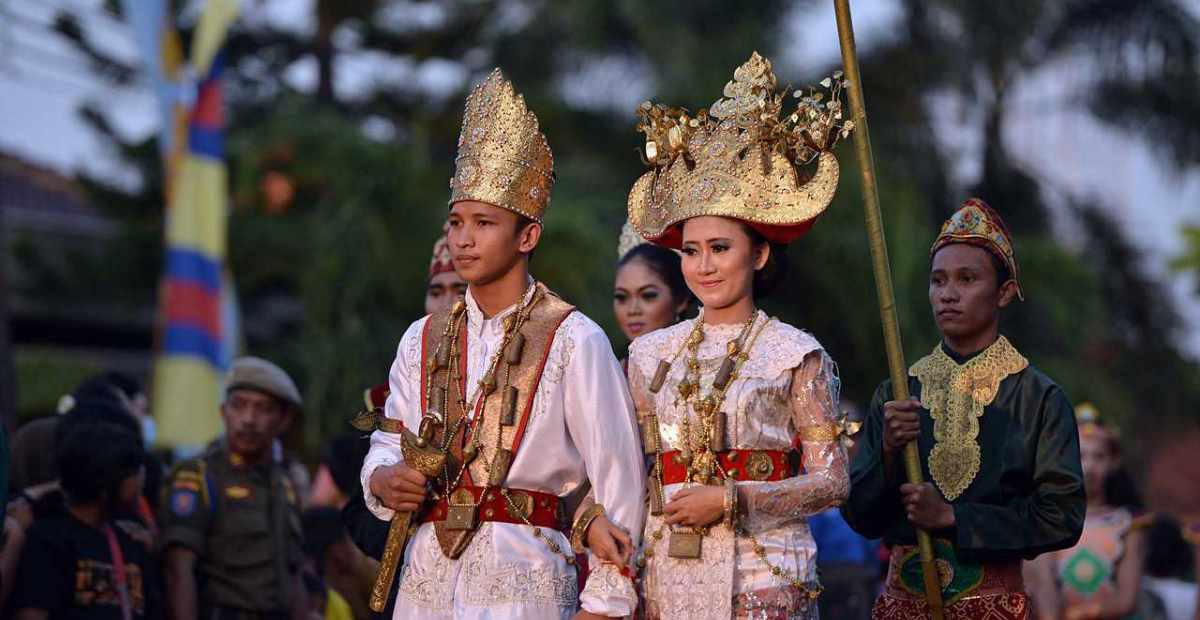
(1142, 54)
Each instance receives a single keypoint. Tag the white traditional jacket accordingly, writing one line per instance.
(581, 428)
(786, 392)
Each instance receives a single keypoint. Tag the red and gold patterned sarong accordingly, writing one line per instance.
(996, 592)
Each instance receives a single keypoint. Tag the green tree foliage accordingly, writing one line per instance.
(1189, 260)
(328, 286)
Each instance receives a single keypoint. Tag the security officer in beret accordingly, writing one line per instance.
(231, 519)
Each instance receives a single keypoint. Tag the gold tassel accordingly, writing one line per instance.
(650, 438)
(515, 348)
(508, 408)
(716, 437)
(500, 464)
(660, 376)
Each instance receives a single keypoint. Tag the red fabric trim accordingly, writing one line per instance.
(672, 237)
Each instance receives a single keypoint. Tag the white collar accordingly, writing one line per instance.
(475, 319)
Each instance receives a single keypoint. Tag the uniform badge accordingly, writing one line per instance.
(183, 502)
(237, 491)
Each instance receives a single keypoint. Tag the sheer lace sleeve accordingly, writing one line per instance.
(639, 389)
(824, 483)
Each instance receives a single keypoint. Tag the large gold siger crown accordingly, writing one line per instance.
(741, 158)
(503, 158)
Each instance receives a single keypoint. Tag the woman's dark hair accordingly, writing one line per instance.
(665, 264)
(1121, 490)
(344, 456)
(98, 387)
(1167, 554)
(95, 457)
(323, 527)
(94, 410)
(769, 277)
(127, 383)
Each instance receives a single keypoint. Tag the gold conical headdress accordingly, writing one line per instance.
(503, 158)
(740, 159)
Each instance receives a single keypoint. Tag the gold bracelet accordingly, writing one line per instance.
(818, 432)
(579, 530)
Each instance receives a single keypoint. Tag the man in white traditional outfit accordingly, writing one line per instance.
(501, 410)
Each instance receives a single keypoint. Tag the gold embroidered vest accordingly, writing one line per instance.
(503, 413)
(956, 395)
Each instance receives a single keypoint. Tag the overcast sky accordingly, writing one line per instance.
(43, 81)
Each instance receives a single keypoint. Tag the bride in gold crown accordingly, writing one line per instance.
(738, 410)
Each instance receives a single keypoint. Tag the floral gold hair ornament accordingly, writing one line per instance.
(1087, 418)
(847, 428)
(742, 158)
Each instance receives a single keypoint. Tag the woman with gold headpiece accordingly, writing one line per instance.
(728, 399)
(996, 436)
(1100, 577)
(649, 292)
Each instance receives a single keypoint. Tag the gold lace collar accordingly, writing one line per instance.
(956, 395)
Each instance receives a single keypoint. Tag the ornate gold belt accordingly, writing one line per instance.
(761, 465)
(468, 506)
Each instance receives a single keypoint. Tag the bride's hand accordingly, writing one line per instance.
(696, 506)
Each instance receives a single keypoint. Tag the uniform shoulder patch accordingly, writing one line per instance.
(186, 485)
(183, 502)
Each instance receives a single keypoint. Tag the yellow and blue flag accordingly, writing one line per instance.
(196, 326)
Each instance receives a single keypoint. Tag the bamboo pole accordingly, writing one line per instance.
(883, 281)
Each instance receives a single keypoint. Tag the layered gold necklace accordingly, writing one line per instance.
(701, 443)
(702, 439)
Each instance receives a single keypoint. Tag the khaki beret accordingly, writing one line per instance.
(255, 373)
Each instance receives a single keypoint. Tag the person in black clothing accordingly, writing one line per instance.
(368, 532)
(86, 561)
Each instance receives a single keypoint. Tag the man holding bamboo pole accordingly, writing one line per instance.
(995, 435)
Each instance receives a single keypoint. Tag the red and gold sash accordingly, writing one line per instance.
(503, 414)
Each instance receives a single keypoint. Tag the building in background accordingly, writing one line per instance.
(64, 320)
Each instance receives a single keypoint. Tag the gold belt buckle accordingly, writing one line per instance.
(684, 545)
(759, 466)
(461, 512)
(520, 505)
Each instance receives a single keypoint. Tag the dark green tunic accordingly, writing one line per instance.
(1028, 496)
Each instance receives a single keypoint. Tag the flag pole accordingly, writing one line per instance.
(883, 282)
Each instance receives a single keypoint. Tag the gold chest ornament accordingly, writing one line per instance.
(956, 396)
